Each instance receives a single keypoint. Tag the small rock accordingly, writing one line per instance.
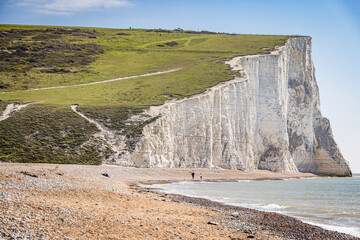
(213, 223)
(235, 214)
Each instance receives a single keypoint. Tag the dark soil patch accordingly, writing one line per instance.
(171, 44)
(159, 30)
(201, 32)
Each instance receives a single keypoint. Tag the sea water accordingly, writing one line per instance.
(331, 203)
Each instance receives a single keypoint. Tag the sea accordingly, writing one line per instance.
(331, 203)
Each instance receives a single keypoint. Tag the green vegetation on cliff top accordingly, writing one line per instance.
(43, 56)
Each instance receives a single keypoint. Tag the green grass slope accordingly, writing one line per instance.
(43, 56)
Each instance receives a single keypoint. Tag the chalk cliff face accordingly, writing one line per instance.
(269, 118)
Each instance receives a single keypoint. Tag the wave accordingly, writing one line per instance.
(264, 207)
(354, 231)
(275, 206)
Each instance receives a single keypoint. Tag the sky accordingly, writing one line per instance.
(333, 24)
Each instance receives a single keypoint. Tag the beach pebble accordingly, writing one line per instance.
(213, 223)
(235, 214)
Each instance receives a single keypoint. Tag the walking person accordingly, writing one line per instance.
(193, 175)
(201, 176)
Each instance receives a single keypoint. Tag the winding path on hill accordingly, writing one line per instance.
(105, 81)
(104, 133)
(11, 109)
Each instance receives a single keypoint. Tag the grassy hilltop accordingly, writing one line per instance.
(43, 56)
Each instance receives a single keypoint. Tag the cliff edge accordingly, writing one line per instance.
(267, 118)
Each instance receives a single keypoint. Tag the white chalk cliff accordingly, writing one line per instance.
(269, 118)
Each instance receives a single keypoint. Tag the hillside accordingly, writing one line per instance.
(34, 57)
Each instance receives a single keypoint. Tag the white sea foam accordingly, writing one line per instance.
(354, 231)
(274, 206)
(262, 207)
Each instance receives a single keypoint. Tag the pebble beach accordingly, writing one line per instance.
(49, 201)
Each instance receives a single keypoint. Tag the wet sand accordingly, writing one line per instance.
(45, 201)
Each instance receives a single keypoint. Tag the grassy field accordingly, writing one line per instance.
(43, 56)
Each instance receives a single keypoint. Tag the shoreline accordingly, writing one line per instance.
(153, 182)
(283, 220)
(80, 202)
(283, 225)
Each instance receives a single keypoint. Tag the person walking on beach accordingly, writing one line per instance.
(201, 176)
(193, 175)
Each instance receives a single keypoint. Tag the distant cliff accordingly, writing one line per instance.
(268, 118)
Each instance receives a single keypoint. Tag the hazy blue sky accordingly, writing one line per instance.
(333, 24)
